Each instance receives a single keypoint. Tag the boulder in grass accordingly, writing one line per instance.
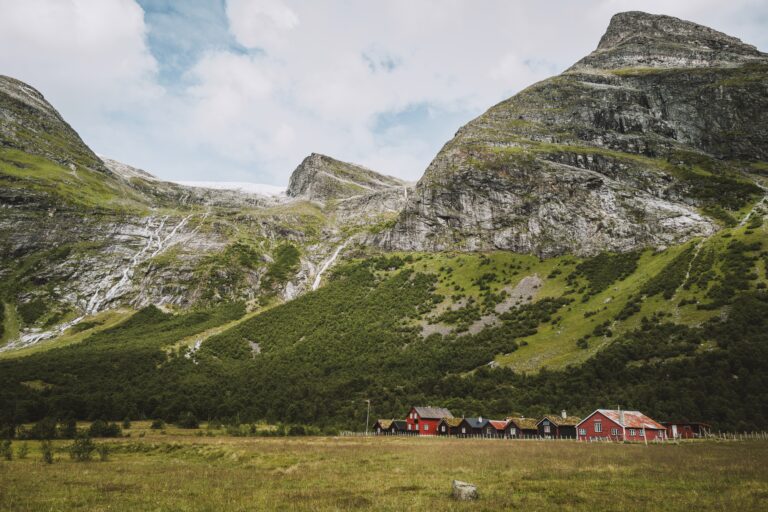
(464, 491)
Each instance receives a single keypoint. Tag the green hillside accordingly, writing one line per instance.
(451, 328)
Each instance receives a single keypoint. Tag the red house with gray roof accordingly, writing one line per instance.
(618, 425)
(425, 420)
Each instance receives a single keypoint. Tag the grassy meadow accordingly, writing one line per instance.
(179, 470)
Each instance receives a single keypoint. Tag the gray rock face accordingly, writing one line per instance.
(463, 491)
(322, 178)
(617, 153)
(638, 39)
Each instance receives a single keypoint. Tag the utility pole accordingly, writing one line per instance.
(367, 416)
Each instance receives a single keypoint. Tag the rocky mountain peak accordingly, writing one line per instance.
(30, 124)
(321, 178)
(639, 39)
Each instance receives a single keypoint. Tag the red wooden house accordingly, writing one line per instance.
(618, 425)
(425, 420)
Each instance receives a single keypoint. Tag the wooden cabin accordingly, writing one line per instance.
(382, 426)
(521, 428)
(448, 427)
(473, 426)
(553, 426)
(399, 427)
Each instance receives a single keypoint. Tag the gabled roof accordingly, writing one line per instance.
(452, 422)
(384, 423)
(559, 421)
(433, 412)
(498, 424)
(399, 424)
(628, 419)
(476, 422)
(523, 423)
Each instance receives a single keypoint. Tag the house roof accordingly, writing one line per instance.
(384, 423)
(399, 424)
(476, 422)
(628, 419)
(498, 424)
(433, 412)
(452, 422)
(523, 423)
(559, 421)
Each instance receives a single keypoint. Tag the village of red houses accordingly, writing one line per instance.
(601, 425)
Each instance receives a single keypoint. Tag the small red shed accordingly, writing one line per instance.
(425, 420)
(618, 425)
(686, 429)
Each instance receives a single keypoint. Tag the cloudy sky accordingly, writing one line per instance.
(242, 90)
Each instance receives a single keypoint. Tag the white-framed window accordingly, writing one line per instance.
(641, 433)
(632, 432)
(598, 426)
(442, 428)
(512, 431)
(546, 428)
(409, 426)
(614, 431)
(426, 427)
(463, 430)
(582, 432)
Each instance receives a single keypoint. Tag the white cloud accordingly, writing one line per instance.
(351, 79)
(87, 57)
(260, 23)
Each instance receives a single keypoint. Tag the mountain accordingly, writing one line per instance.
(83, 236)
(600, 237)
(322, 178)
(639, 144)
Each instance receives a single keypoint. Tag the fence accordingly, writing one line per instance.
(719, 436)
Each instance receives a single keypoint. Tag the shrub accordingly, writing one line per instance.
(46, 448)
(43, 429)
(157, 425)
(188, 420)
(5, 449)
(23, 451)
(127, 423)
(100, 428)
(68, 429)
(82, 449)
(103, 451)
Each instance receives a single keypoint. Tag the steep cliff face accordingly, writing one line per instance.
(322, 178)
(621, 151)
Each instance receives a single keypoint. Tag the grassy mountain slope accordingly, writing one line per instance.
(642, 325)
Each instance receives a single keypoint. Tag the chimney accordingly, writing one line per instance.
(564, 414)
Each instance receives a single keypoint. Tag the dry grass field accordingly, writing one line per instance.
(180, 471)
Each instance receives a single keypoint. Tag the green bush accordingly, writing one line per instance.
(157, 425)
(23, 451)
(187, 420)
(82, 449)
(46, 450)
(6, 451)
(31, 311)
(100, 428)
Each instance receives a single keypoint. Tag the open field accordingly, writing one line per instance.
(178, 472)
